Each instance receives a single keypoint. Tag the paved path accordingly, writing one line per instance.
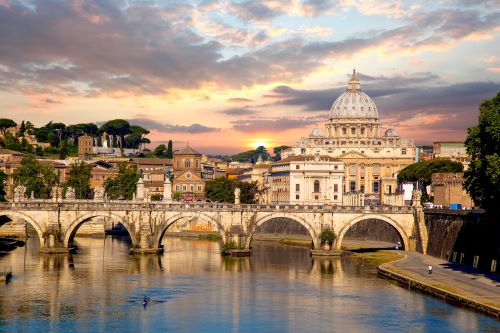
(458, 279)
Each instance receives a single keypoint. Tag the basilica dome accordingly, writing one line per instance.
(353, 103)
(391, 132)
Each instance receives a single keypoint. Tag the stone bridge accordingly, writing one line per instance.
(56, 223)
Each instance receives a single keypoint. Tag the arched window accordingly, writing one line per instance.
(316, 186)
(187, 163)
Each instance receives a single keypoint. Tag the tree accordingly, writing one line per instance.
(170, 152)
(136, 137)
(482, 179)
(122, 186)
(5, 124)
(3, 184)
(79, 179)
(422, 171)
(38, 178)
(222, 190)
(277, 152)
(118, 129)
(252, 155)
(160, 150)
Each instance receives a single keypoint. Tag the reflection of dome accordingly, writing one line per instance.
(316, 133)
(391, 132)
(353, 103)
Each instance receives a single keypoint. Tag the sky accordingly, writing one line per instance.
(227, 76)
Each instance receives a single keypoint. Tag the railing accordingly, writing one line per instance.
(115, 205)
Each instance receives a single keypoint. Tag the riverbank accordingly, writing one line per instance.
(452, 283)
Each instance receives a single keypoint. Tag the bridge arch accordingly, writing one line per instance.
(75, 224)
(399, 229)
(163, 226)
(310, 229)
(28, 219)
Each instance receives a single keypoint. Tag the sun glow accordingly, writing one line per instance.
(259, 142)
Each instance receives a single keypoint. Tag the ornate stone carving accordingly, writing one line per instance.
(237, 193)
(19, 193)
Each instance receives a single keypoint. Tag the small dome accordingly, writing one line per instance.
(316, 133)
(391, 132)
(353, 103)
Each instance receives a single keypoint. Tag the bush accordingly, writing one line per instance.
(229, 245)
(327, 236)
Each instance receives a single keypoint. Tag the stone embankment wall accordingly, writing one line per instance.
(465, 237)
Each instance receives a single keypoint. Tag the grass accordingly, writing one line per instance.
(296, 242)
(378, 257)
(210, 237)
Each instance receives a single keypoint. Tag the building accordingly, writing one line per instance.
(100, 171)
(259, 173)
(448, 189)
(372, 156)
(188, 180)
(454, 151)
(307, 179)
(85, 147)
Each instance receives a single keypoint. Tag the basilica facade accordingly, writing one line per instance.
(372, 155)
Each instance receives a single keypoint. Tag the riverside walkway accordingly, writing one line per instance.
(452, 282)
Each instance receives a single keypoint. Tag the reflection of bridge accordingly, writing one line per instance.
(56, 223)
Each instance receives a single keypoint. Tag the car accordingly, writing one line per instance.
(428, 205)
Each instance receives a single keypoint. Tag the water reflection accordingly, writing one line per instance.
(192, 288)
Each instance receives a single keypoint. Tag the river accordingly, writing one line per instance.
(193, 289)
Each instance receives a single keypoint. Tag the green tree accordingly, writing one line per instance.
(170, 151)
(118, 129)
(422, 171)
(160, 150)
(222, 190)
(122, 186)
(5, 124)
(482, 179)
(79, 179)
(277, 152)
(38, 178)
(3, 184)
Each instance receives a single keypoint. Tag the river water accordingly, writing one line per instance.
(193, 289)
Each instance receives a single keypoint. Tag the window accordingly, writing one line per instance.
(362, 188)
(376, 187)
(403, 151)
(316, 186)
(335, 167)
(177, 188)
(197, 163)
(297, 187)
(362, 128)
(344, 130)
(335, 187)
(388, 189)
(297, 167)
(188, 175)
(316, 197)
(187, 163)
(184, 188)
(335, 197)
(200, 188)
(353, 169)
(297, 196)
(352, 186)
(353, 130)
(303, 151)
(191, 188)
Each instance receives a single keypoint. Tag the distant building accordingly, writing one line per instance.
(307, 179)
(188, 179)
(260, 173)
(454, 151)
(354, 135)
(448, 189)
(85, 147)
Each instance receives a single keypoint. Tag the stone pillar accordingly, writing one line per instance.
(237, 193)
(167, 190)
(140, 190)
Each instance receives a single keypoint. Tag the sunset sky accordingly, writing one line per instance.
(229, 75)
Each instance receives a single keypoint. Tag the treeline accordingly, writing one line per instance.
(63, 139)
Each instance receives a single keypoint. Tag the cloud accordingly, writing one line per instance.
(238, 112)
(239, 100)
(167, 128)
(269, 125)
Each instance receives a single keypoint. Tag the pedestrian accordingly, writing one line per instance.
(430, 269)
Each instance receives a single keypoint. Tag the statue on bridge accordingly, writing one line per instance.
(70, 193)
(415, 198)
(167, 190)
(237, 193)
(19, 193)
(98, 194)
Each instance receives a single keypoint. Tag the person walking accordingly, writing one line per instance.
(430, 269)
